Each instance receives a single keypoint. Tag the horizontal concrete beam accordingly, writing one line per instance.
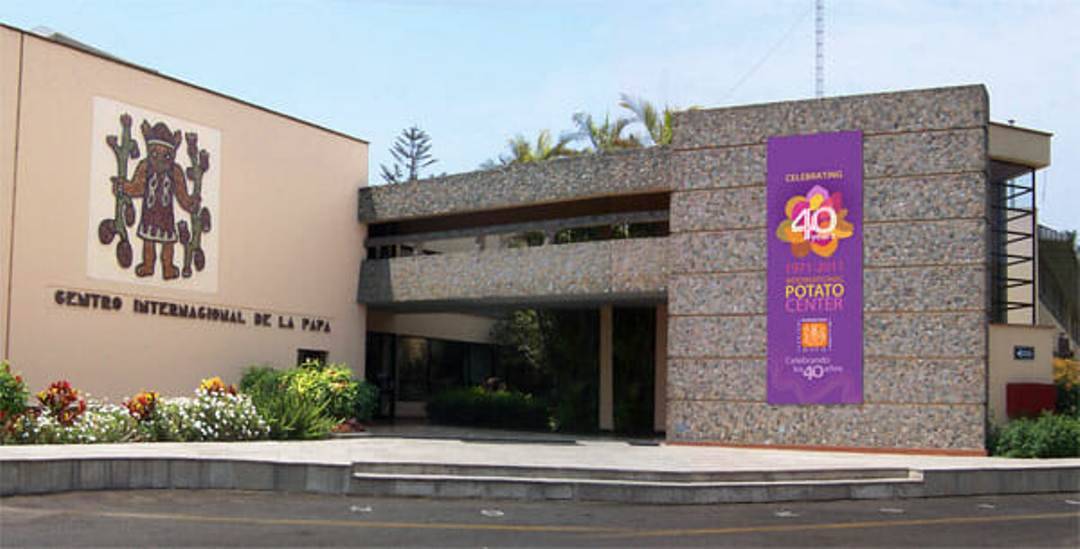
(560, 180)
(611, 269)
(549, 228)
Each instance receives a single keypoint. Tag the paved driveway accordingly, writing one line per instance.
(229, 518)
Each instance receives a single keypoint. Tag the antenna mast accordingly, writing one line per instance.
(819, 42)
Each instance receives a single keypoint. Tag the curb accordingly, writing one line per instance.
(29, 476)
(47, 476)
(487, 439)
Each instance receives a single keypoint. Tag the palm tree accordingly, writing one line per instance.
(523, 151)
(657, 123)
(604, 137)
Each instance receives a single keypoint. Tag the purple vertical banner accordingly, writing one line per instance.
(814, 277)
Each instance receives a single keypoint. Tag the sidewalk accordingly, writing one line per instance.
(562, 467)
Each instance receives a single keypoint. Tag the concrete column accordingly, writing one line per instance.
(607, 379)
(660, 376)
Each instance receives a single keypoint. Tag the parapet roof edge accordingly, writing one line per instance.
(1022, 128)
(831, 98)
(441, 179)
(94, 52)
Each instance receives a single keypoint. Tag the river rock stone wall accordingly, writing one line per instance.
(587, 273)
(558, 180)
(925, 273)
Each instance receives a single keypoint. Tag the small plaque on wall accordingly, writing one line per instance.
(1023, 352)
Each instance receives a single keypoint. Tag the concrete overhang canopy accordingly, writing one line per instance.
(1022, 146)
(557, 181)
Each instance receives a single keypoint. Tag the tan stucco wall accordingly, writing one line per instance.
(1047, 319)
(9, 93)
(1004, 369)
(1019, 145)
(288, 237)
(1022, 270)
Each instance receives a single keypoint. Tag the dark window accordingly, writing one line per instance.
(310, 355)
(413, 361)
(418, 368)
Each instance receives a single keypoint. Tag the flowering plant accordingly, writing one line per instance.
(67, 417)
(1066, 373)
(1067, 379)
(62, 402)
(333, 384)
(142, 406)
(13, 396)
(101, 422)
(815, 223)
(218, 416)
(215, 385)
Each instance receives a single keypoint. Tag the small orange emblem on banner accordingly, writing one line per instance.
(814, 334)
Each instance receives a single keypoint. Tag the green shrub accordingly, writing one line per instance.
(292, 415)
(1067, 380)
(366, 401)
(1068, 400)
(307, 401)
(260, 379)
(296, 402)
(475, 406)
(332, 384)
(13, 397)
(1048, 436)
(345, 396)
(576, 407)
(13, 392)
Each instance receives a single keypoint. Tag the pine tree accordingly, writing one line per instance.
(412, 153)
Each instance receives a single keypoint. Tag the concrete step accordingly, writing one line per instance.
(419, 469)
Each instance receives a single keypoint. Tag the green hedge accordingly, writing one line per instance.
(13, 394)
(1068, 400)
(305, 402)
(477, 407)
(1048, 436)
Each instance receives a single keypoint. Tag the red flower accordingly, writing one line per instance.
(62, 402)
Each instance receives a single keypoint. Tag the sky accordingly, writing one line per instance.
(475, 73)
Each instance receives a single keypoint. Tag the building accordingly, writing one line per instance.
(831, 273)
(1059, 286)
(272, 275)
(936, 282)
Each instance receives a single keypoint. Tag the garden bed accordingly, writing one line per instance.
(306, 402)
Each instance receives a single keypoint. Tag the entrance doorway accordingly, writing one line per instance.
(409, 370)
(551, 356)
(634, 370)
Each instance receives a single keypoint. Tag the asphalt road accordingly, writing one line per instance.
(231, 518)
